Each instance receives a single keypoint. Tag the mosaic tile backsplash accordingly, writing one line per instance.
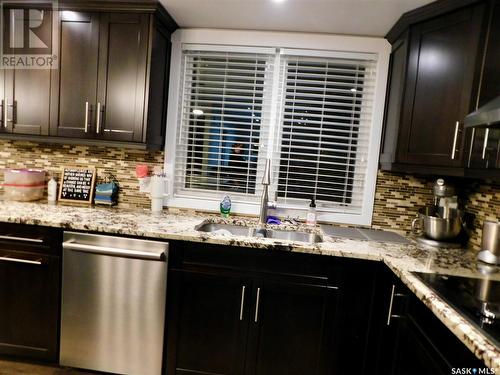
(398, 196)
(120, 162)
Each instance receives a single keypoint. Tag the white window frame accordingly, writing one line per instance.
(318, 45)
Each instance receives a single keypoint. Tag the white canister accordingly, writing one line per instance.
(52, 191)
(159, 191)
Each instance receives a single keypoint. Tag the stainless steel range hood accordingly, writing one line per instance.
(487, 115)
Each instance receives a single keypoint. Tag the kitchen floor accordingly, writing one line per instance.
(17, 368)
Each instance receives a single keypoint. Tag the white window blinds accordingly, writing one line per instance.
(310, 111)
(326, 109)
(224, 103)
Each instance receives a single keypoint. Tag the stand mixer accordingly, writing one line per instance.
(441, 224)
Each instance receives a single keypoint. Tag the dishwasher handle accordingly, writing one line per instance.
(117, 252)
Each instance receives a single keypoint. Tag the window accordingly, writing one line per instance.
(324, 134)
(221, 121)
(314, 113)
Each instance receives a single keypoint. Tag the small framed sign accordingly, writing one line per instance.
(77, 185)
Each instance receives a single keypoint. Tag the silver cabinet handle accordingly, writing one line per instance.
(5, 104)
(86, 117)
(454, 149)
(242, 303)
(14, 111)
(104, 250)
(389, 314)
(471, 147)
(485, 144)
(257, 302)
(5, 112)
(24, 261)
(25, 239)
(98, 119)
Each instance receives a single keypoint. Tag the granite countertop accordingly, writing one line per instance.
(401, 258)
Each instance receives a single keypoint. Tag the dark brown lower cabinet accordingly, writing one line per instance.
(291, 329)
(29, 293)
(234, 318)
(208, 330)
(411, 340)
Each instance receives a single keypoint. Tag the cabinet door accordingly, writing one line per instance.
(426, 346)
(416, 355)
(395, 90)
(28, 101)
(123, 51)
(207, 329)
(441, 70)
(389, 323)
(292, 329)
(27, 91)
(490, 81)
(74, 84)
(484, 149)
(29, 296)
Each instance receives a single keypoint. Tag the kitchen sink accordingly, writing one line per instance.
(235, 230)
(238, 230)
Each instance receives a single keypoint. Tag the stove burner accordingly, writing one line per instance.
(476, 299)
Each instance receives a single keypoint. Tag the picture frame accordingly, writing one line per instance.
(77, 185)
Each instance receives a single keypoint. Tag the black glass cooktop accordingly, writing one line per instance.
(478, 300)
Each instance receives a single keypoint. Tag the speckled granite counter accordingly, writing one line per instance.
(402, 259)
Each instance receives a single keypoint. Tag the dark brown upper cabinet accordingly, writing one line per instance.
(111, 83)
(74, 83)
(439, 88)
(483, 145)
(100, 87)
(25, 93)
(433, 84)
(27, 100)
(123, 50)
(489, 85)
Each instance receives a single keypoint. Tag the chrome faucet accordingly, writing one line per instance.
(265, 204)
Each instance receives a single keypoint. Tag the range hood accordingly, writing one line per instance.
(487, 115)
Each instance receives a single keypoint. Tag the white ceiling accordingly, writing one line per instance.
(353, 17)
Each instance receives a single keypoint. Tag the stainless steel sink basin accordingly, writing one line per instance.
(278, 234)
(288, 235)
(236, 230)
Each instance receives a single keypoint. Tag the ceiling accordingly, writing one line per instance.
(353, 17)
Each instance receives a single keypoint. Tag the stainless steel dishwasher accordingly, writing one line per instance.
(113, 303)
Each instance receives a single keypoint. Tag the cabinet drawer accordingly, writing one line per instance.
(29, 296)
(195, 256)
(30, 238)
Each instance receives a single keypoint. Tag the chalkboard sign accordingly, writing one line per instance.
(77, 185)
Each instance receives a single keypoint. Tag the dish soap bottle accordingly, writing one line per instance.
(311, 214)
(225, 206)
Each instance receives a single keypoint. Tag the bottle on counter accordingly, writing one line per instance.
(52, 191)
(225, 206)
(311, 213)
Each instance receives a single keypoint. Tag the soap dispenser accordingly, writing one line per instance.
(311, 213)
